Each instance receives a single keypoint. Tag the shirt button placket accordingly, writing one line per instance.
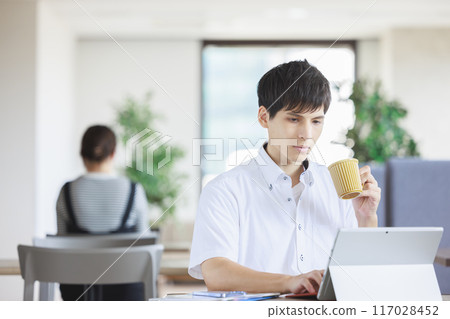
(301, 243)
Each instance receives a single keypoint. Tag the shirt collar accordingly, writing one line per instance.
(272, 172)
(99, 175)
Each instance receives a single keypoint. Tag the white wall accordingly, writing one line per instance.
(17, 134)
(417, 68)
(105, 75)
(414, 66)
(56, 154)
(368, 59)
(35, 125)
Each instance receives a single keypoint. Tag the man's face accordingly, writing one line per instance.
(292, 135)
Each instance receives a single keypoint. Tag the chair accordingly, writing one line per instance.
(418, 195)
(95, 241)
(88, 265)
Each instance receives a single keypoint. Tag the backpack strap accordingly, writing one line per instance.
(126, 215)
(71, 224)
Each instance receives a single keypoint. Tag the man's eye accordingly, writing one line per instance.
(317, 122)
(293, 119)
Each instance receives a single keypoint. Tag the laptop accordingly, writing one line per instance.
(376, 264)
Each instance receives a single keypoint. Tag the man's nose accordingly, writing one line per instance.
(305, 131)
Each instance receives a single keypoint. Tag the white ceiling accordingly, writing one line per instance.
(249, 19)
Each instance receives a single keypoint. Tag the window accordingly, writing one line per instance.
(230, 104)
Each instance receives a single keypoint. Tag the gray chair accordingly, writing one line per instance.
(87, 266)
(418, 195)
(96, 241)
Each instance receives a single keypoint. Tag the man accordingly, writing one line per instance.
(269, 225)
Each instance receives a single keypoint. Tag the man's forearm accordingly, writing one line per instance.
(223, 274)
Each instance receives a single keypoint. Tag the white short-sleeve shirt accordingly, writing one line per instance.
(250, 215)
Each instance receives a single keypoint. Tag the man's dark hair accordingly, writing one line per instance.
(296, 86)
(98, 143)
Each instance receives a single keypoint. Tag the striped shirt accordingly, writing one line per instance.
(99, 201)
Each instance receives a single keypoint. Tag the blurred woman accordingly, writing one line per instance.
(99, 202)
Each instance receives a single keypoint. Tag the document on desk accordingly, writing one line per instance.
(218, 294)
(240, 297)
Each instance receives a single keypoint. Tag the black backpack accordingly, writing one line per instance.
(128, 292)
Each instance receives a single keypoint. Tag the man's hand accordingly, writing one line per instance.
(223, 274)
(367, 203)
(309, 282)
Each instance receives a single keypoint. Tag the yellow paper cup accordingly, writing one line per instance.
(346, 178)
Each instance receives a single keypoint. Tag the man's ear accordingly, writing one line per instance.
(263, 116)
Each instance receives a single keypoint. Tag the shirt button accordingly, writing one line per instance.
(285, 178)
(301, 257)
(299, 226)
(289, 199)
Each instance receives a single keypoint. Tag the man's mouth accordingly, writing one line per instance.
(302, 149)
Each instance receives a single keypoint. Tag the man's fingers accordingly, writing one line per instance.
(366, 175)
(367, 178)
(372, 191)
(310, 281)
(364, 169)
(308, 285)
(315, 278)
(372, 187)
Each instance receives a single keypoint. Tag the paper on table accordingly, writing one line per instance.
(191, 297)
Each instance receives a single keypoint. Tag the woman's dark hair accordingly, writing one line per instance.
(98, 143)
(295, 85)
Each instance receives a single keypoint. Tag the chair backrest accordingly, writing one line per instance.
(96, 241)
(418, 195)
(91, 265)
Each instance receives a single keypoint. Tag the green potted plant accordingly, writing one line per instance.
(377, 134)
(162, 183)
